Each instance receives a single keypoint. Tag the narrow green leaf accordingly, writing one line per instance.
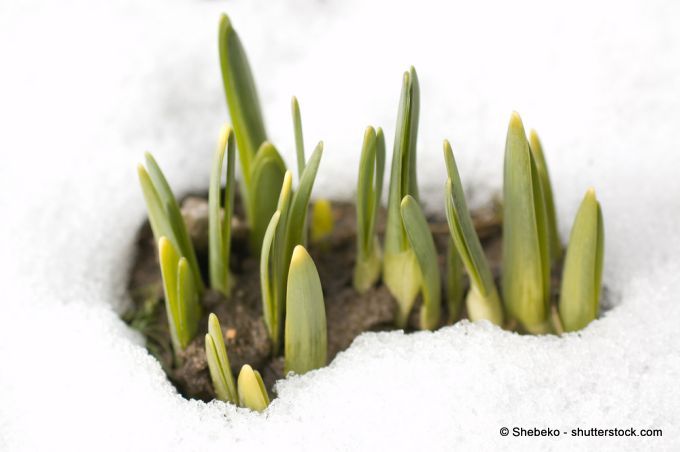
(270, 303)
(169, 260)
(242, 98)
(379, 175)
(218, 362)
(251, 391)
(189, 308)
(163, 203)
(280, 261)
(400, 270)
(482, 301)
(299, 142)
(526, 275)
(369, 191)
(420, 238)
(219, 226)
(160, 225)
(582, 274)
(267, 176)
(297, 215)
(321, 226)
(544, 176)
(300, 152)
(454, 281)
(305, 335)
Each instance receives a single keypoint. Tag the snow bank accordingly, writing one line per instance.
(86, 88)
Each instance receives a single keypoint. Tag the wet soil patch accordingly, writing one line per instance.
(348, 313)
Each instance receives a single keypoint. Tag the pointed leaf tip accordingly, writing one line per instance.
(300, 254)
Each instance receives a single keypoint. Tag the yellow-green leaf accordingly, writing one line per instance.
(369, 192)
(400, 269)
(241, 94)
(420, 238)
(305, 334)
(218, 362)
(220, 225)
(251, 391)
(454, 281)
(164, 213)
(271, 304)
(526, 270)
(321, 226)
(582, 273)
(544, 175)
(482, 301)
(268, 171)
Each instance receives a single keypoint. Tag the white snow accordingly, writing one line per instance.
(86, 87)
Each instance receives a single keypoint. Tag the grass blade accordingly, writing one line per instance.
(582, 274)
(482, 301)
(251, 391)
(556, 248)
(401, 273)
(242, 98)
(421, 241)
(218, 362)
(220, 226)
(305, 335)
(526, 270)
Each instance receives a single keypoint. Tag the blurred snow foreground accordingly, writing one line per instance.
(86, 88)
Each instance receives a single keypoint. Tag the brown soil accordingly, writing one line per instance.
(348, 313)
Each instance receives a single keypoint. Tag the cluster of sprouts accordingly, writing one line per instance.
(406, 260)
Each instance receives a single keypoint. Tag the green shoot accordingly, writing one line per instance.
(321, 226)
(242, 98)
(526, 254)
(454, 281)
(220, 225)
(164, 214)
(299, 152)
(218, 362)
(482, 301)
(420, 238)
(297, 215)
(261, 165)
(251, 391)
(582, 274)
(401, 272)
(542, 168)
(282, 235)
(305, 335)
(369, 193)
(267, 176)
(272, 302)
(181, 296)
(299, 142)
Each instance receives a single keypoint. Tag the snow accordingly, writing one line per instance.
(85, 88)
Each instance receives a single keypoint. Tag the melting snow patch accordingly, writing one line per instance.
(87, 88)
